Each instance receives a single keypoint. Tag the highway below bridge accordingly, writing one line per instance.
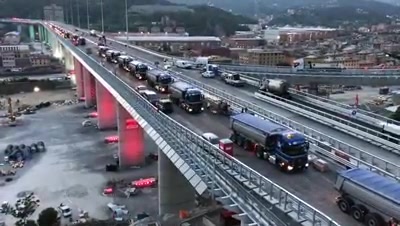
(347, 77)
(313, 187)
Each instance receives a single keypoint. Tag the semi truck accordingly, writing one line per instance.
(138, 69)
(277, 87)
(159, 79)
(285, 148)
(187, 97)
(112, 55)
(123, 61)
(369, 197)
(102, 51)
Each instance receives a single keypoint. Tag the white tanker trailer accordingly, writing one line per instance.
(278, 87)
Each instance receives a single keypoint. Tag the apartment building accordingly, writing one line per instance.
(262, 57)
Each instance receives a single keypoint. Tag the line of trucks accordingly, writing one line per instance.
(369, 197)
(285, 148)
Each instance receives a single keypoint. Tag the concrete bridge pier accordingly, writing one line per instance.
(79, 79)
(68, 59)
(89, 88)
(131, 140)
(106, 108)
(174, 190)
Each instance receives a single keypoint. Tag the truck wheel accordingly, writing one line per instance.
(344, 205)
(374, 219)
(357, 212)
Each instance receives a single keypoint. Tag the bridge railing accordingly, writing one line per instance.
(234, 178)
(372, 135)
(350, 72)
(378, 117)
(357, 156)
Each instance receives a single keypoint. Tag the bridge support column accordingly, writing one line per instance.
(89, 88)
(106, 108)
(174, 190)
(79, 79)
(131, 140)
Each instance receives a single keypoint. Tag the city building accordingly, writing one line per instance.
(288, 35)
(175, 43)
(53, 12)
(11, 38)
(262, 57)
(14, 56)
(40, 60)
(247, 43)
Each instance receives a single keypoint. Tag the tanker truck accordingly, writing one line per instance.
(138, 69)
(277, 87)
(123, 61)
(158, 79)
(285, 148)
(369, 197)
(187, 97)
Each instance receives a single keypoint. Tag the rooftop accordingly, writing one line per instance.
(170, 38)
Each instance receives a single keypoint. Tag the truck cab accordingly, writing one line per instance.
(286, 149)
(232, 79)
(102, 51)
(165, 105)
(138, 69)
(123, 60)
(151, 96)
(112, 55)
(160, 80)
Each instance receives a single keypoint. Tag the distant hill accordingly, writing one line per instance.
(199, 20)
(279, 7)
(334, 13)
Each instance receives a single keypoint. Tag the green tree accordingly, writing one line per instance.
(396, 115)
(21, 210)
(48, 217)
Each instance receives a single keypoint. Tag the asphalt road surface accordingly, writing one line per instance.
(313, 187)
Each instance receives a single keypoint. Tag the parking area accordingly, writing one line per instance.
(71, 170)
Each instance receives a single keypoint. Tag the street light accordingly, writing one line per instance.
(102, 17)
(79, 15)
(87, 14)
(126, 20)
(72, 11)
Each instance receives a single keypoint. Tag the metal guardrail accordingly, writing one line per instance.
(373, 136)
(255, 194)
(359, 158)
(388, 142)
(357, 155)
(360, 112)
(274, 70)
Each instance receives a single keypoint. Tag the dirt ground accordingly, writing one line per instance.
(35, 98)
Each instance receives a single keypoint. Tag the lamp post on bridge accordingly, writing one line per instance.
(79, 16)
(87, 14)
(102, 17)
(126, 21)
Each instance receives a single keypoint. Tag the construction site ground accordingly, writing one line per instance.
(72, 170)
